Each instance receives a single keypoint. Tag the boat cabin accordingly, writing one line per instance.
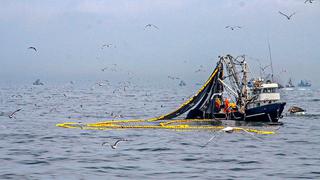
(263, 93)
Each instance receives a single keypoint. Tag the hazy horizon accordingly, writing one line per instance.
(69, 36)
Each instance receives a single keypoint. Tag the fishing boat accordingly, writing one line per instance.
(290, 84)
(304, 83)
(226, 95)
(229, 95)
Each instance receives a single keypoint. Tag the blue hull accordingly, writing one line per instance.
(265, 113)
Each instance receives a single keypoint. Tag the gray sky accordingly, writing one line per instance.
(69, 34)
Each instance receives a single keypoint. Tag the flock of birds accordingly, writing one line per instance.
(181, 83)
(287, 16)
(231, 27)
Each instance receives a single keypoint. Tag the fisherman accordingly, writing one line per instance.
(217, 104)
(226, 108)
(233, 107)
(226, 105)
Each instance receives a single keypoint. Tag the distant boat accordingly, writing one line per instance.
(290, 84)
(304, 83)
(37, 82)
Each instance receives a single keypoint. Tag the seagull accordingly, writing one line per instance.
(106, 45)
(115, 90)
(199, 70)
(233, 27)
(229, 129)
(53, 110)
(12, 114)
(79, 125)
(265, 67)
(173, 78)
(288, 17)
(114, 146)
(117, 116)
(32, 48)
(150, 25)
(182, 83)
(100, 84)
(309, 1)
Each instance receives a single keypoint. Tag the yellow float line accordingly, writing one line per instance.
(122, 121)
(100, 126)
(186, 120)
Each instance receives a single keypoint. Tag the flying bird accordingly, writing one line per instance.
(173, 78)
(265, 67)
(32, 48)
(229, 129)
(182, 83)
(309, 1)
(114, 146)
(150, 26)
(233, 27)
(100, 84)
(105, 68)
(287, 16)
(13, 113)
(106, 45)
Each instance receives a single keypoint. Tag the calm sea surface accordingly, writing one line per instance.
(32, 147)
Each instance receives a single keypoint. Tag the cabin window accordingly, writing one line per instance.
(269, 90)
(266, 90)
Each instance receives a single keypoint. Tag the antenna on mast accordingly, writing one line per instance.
(270, 57)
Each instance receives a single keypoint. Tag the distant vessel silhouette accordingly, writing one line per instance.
(290, 84)
(37, 83)
(304, 83)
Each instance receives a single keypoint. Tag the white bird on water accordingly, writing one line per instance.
(114, 146)
(229, 129)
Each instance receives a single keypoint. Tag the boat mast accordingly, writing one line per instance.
(270, 57)
(238, 86)
(232, 73)
(244, 93)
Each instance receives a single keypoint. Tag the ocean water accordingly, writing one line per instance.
(32, 147)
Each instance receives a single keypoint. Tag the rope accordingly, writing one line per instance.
(123, 124)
